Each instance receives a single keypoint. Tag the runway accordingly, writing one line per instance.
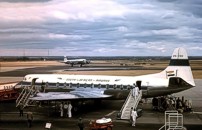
(60, 68)
(150, 120)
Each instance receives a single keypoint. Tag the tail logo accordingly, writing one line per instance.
(170, 73)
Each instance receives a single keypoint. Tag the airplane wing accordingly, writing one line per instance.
(75, 94)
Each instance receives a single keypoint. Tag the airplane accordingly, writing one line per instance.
(175, 78)
(73, 62)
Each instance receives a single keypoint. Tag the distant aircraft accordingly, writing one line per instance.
(175, 78)
(73, 62)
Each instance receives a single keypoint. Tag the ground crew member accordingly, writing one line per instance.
(65, 109)
(189, 105)
(178, 103)
(29, 119)
(80, 124)
(61, 110)
(69, 110)
(131, 114)
(134, 116)
(186, 106)
(133, 91)
(21, 109)
(136, 92)
(42, 87)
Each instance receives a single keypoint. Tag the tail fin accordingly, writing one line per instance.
(179, 66)
(65, 58)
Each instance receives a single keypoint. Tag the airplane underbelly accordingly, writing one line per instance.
(161, 91)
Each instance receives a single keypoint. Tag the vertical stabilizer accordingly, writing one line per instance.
(65, 59)
(179, 66)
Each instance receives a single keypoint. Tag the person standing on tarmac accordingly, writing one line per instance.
(189, 105)
(61, 110)
(65, 110)
(134, 116)
(21, 109)
(29, 119)
(131, 119)
(69, 110)
(80, 124)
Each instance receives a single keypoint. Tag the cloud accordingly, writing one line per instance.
(63, 36)
(101, 27)
(122, 29)
(61, 10)
(104, 50)
(195, 48)
(43, 36)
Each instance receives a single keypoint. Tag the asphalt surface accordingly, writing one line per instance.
(52, 69)
(150, 119)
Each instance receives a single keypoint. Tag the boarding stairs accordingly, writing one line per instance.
(130, 102)
(26, 93)
(173, 121)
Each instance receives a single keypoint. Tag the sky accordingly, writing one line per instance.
(100, 27)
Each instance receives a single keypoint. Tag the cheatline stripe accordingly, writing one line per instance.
(179, 62)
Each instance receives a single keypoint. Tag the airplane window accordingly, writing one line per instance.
(103, 86)
(95, 85)
(111, 86)
(129, 87)
(115, 86)
(107, 86)
(80, 85)
(65, 84)
(92, 85)
(57, 84)
(121, 87)
(46, 84)
(124, 87)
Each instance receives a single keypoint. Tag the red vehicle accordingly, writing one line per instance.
(8, 94)
(101, 124)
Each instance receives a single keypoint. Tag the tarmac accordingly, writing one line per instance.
(150, 119)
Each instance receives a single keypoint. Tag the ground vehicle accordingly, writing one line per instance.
(101, 124)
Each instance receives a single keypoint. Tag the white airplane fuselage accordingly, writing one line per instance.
(152, 85)
(73, 62)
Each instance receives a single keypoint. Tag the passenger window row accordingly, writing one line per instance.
(77, 85)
